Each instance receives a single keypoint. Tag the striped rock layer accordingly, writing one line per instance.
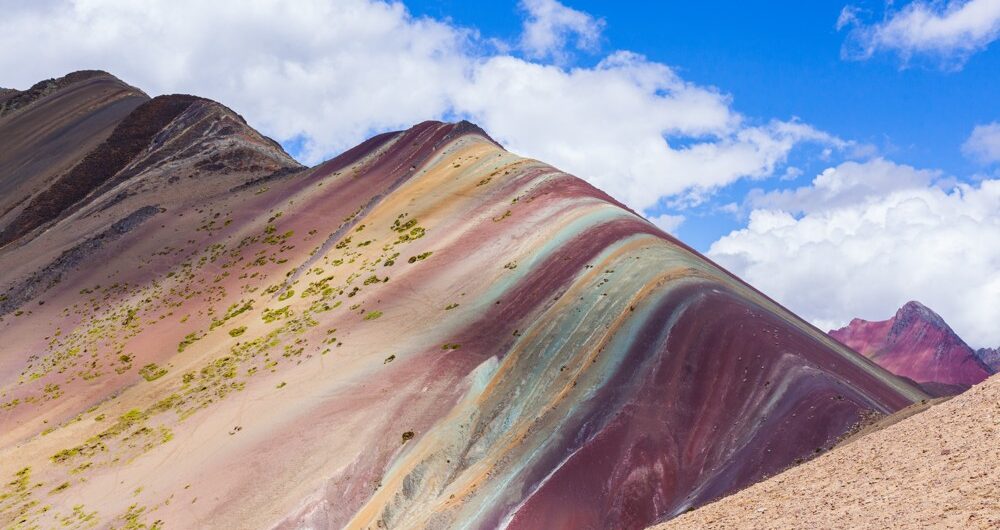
(427, 331)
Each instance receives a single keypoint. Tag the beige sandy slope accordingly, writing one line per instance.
(938, 469)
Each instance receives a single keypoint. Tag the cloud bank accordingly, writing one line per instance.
(846, 247)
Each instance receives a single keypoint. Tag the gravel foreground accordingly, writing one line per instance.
(938, 469)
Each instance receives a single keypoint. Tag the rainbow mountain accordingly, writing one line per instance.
(427, 331)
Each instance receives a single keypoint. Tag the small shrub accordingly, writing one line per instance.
(152, 372)
(189, 339)
(419, 257)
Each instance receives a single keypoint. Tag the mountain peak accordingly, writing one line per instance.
(914, 313)
(916, 310)
(916, 343)
(12, 100)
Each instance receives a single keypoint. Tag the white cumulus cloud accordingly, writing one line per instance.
(330, 73)
(550, 25)
(984, 143)
(865, 257)
(950, 31)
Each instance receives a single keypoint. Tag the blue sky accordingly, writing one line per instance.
(841, 156)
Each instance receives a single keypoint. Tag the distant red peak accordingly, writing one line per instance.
(916, 343)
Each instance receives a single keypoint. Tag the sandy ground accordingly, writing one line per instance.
(937, 469)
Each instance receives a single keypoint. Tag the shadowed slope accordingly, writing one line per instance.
(427, 331)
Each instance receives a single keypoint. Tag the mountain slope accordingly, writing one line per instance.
(936, 469)
(918, 344)
(426, 331)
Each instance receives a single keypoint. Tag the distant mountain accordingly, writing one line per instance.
(917, 344)
(990, 357)
(427, 331)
